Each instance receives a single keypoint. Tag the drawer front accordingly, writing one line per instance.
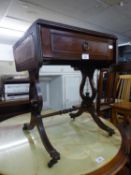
(67, 45)
(25, 54)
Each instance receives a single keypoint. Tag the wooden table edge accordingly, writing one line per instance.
(114, 165)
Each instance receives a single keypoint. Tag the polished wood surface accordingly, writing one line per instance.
(48, 42)
(70, 45)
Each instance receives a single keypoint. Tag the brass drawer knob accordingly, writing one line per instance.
(85, 46)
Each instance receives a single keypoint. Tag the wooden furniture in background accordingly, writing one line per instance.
(122, 91)
(53, 43)
(115, 100)
(122, 103)
(106, 92)
(122, 106)
(10, 108)
(14, 87)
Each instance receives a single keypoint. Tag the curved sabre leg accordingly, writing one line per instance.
(36, 103)
(80, 110)
(49, 148)
(99, 122)
(31, 125)
(87, 101)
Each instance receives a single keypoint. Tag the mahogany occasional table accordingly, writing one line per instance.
(50, 43)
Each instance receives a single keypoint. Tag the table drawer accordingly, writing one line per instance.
(70, 45)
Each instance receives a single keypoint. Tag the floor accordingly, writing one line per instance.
(81, 144)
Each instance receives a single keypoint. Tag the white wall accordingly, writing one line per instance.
(7, 67)
(7, 64)
(6, 52)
